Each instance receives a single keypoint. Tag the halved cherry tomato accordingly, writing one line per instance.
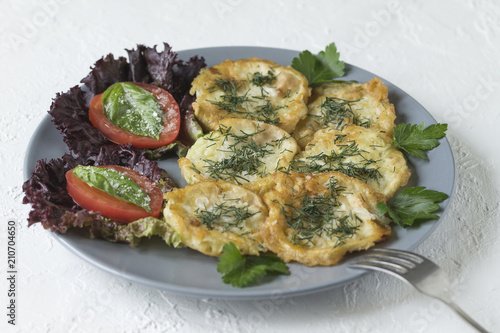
(171, 125)
(111, 207)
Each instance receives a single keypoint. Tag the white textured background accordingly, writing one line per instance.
(443, 53)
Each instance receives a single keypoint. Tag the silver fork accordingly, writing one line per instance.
(415, 270)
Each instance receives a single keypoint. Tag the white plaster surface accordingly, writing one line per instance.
(443, 53)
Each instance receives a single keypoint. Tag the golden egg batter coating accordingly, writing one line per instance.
(239, 151)
(317, 219)
(250, 186)
(253, 89)
(359, 152)
(339, 104)
(208, 215)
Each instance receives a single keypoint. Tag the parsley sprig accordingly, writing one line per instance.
(323, 67)
(242, 271)
(415, 139)
(412, 204)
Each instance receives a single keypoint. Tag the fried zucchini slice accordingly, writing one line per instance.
(339, 104)
(239, 151)
(358, 152)
(253, 89)
(208, 215)
(317, 219)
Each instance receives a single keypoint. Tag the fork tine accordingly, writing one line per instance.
(369, 263)
(408, 264)
(401, 254)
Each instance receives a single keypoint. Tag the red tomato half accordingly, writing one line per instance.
(171, 125)
(95, 200)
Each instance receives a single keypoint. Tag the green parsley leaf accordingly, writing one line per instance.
(414, 139)
(240, 271)
(321, 68)
(411, 204)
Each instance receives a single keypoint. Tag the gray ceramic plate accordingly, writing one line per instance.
(187, 272)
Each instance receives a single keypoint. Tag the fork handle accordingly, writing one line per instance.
(465, 316)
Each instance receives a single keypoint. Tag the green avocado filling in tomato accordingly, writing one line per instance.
(134, 109)
(113, 183)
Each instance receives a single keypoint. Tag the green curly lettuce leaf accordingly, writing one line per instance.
(133, 232)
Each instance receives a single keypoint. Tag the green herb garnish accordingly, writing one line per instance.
(362, 121)
(235, 101)
(321, 68)
(113, 183)
(224, 215)
(231, 101)
(339, 161)
(266, 113)
(227, 86)
(134, 109)
(240, 271)
(411, 204)
(415, 139)
(246, 156)
(335, 112)
(259, 80)
(319, 215)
